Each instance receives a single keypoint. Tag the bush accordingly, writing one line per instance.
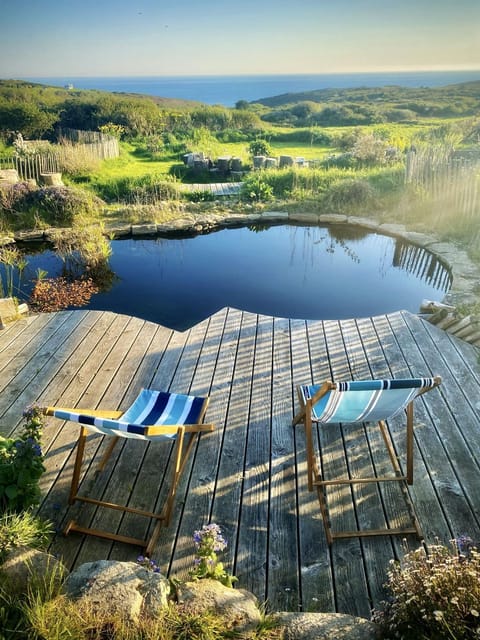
(200, 196)
(256, 189)
(259, 148)
(21, 465)
(349, 195)
(435, 594)
(83, 249)
(61, 205)
(147, 189)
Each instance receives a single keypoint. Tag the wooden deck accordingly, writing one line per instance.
(218, 189)
(249, 475)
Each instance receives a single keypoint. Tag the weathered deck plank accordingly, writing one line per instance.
(249, 475)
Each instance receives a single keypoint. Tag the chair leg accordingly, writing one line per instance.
(78, 465)
(322, 486)
(107, 454)
(409, 412)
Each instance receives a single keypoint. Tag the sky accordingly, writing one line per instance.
(229, 37)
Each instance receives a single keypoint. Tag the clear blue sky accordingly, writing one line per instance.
(209, 37)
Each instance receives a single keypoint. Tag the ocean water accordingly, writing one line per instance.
(227, 90)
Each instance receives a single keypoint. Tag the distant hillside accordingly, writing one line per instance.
(390, 94)
(367, 105)
(49, 93)
(38, 110)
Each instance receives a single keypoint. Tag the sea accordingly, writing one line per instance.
(228, 90)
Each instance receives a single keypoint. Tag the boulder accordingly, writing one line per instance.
(325, 626)
(51, 179)
(238, 606)
(21, 563)
(8, 177)
(119, 588)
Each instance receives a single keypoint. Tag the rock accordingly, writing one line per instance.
(238, 606)
(392, 229)
(124, 588)
(312, 218)
(29, 236)
(276, 216)
(285, 161)
(8, 177)
(259, 162)
(51, 179)
(333, 218)
(22, 563)
(119, 230)
(325, 626)
(144, 229)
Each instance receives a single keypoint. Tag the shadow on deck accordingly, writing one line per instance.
(249, 475)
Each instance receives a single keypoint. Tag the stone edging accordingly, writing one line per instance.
(466, 274)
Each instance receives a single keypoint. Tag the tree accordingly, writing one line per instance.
(28, 119)
(259, 148)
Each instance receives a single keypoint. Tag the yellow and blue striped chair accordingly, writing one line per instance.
(361, 401)
(153, 416)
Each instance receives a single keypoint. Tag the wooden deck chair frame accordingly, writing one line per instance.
(321, 484)
(185, 436)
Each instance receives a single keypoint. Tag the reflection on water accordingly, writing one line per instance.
(330, 272)
(422, 264)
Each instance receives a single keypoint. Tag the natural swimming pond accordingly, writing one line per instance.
(309, 272)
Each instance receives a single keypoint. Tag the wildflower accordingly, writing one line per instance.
(208, 542)
(148, 564)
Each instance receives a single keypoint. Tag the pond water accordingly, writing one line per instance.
(307, 272)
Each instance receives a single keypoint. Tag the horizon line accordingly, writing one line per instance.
(257, 74)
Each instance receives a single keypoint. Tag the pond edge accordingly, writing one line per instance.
(465, 273)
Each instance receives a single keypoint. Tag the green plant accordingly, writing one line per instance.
(22, 529)
(83, 248)
(14, 263)
(208, 542)
(21, 465)
(259, 148)
(200, 196)
(191, 625)
(61, 205)
(349, 195)
(256, 189)
(435, 594)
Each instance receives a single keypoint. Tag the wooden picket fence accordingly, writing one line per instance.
(455, 181)
(85, 145)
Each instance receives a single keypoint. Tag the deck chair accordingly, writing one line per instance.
(154, 416)
(353, 402)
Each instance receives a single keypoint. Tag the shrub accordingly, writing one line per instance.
(147, 189)
(200, 196)
(256, 189)
(84, 249)
(349, 195)
(259, 148)
(61, 205)
(435, 594)
(21, 465)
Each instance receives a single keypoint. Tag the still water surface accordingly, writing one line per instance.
(304, 272)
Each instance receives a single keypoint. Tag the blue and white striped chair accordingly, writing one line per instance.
(353, 402)
(154, 416)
